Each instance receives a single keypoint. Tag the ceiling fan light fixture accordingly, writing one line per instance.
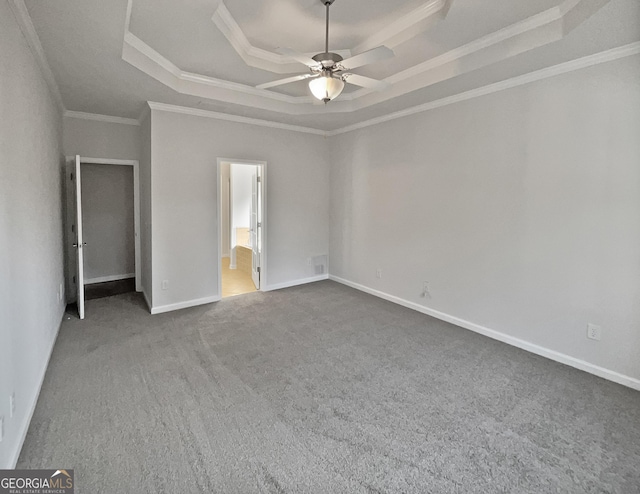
(326, 87)
(329, 71)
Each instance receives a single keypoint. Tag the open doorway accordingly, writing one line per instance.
(102, 225)
(242, 221)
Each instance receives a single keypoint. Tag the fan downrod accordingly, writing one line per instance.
(327, 59)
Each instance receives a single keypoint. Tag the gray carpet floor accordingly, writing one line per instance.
(320, 389)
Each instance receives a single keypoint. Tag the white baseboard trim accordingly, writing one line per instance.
(113, 277)
(32, 407)
(302, 281)
(582, 365)
(146, 299)
(183, 305)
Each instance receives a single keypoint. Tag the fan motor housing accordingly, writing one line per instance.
(327, 59)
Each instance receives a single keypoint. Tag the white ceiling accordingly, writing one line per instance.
(110, 57)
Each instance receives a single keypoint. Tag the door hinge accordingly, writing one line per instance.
(72, 176)
(259, 224)
(74, 279)
(259, 179)
(73, 228)
(258, 269)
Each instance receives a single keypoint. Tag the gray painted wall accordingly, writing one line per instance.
(108, 222)
(31, 257)
(95, 139)
(521, 209)
(185, 149)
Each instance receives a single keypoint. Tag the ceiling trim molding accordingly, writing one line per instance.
(563, 68)
(144, 113)
(538, 75)
(399, 31)
(548, 17)
(100, 118)
(25, 23)
(536, 31)
(533, 32)
(611, 55)
(252, 55)
(139, 54)
(232, 118)
(127, 19)
(408, 26)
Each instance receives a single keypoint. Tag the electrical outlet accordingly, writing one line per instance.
(165, 284)
(12, 405)
(594, 332)
(379, 273)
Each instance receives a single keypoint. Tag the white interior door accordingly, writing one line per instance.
(254, 231)
(79, 241)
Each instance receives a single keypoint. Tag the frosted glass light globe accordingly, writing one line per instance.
(326, 88)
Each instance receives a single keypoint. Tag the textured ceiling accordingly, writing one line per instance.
(111, 57)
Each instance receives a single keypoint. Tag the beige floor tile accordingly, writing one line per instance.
(235, 281)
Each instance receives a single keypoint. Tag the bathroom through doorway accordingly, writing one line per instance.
(242, 226)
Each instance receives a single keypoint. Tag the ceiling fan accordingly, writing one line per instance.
(329, 71)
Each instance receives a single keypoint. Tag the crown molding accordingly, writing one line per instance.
(127, 18)
(611, 55)
(563, 68)
(144, 113)
(232, 118)
(408, 26)
(100, 118)
(139, 54)
(544, 19)
(23, 19)
(252, 55)
(399, 31)
(538, 30)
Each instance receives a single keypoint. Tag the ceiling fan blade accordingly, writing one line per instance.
(362, 81)
(299, 57)
(367, 57)
(280, 82)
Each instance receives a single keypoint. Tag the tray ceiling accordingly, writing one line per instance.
(110, 57)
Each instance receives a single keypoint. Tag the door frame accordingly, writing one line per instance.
(79, 242)
(255, 225)
(263, 206)
(136, 203)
